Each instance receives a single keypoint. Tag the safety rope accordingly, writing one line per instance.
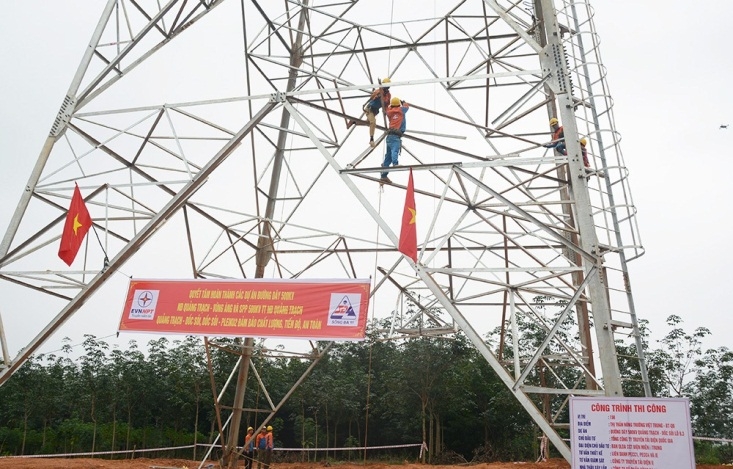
(368, 389)
(376, 242)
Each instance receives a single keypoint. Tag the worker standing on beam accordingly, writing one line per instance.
(379, 99)
(397, 126)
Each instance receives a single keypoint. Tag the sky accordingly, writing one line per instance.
(669, 70)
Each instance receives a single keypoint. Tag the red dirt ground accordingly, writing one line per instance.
(143, 463)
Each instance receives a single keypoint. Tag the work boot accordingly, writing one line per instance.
(385, 180)
(371, 143)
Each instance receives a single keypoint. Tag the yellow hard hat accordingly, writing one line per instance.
(583, 141)
(395, 101)
(386, 80)
(250, 429)
(553, 121)
(269, 428)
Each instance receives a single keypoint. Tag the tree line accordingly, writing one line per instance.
(376, 392)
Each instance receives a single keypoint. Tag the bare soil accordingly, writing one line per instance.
(143, 463)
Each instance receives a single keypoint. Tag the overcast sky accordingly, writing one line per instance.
(669, 72)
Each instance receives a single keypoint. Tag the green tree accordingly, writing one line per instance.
(678, 356)
(712, 394)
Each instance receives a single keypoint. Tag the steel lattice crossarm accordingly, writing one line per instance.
(228, 140)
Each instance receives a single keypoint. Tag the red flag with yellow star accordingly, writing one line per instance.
(76, 227)
(408, 233)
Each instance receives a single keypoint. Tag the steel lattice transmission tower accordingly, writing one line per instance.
(210, 140)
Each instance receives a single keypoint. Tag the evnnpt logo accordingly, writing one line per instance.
(344, 309)
(143, 304)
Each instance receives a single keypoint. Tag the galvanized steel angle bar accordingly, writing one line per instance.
(341, 19)
(499, 209)
(13, 279)
(275, 30)
(535, 89)
(325, 141)
(182, 155)
(94, 144)
(146, 139)
(112, 64)
(512, 239)
(18, 252)
(93, 91)
(71, 148)
(328, 252)
(422, 308)
(509, 20)
(443, 240)
(578, 360)
(488, 355)
(472, 43)
(209, 257)
(149, 18)
(126, 16)
(468, 116)
(527, 216)
(176, 202)
(350, 185)
(200, 119)
(54, 280)
(137, 169)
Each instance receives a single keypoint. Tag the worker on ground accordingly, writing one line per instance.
(249, 446)
(379, 99)
(261, 448)
(269, 445)
(397, 125)
(558, 137)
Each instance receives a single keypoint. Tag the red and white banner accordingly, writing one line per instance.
(307, 309)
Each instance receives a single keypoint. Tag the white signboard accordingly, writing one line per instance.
(631, 433)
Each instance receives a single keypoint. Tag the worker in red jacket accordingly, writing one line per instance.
(261, 447)
(397, 126)
(249, 445)
(558, 137)
(265, 445)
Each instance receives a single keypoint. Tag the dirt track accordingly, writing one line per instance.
(143, 463)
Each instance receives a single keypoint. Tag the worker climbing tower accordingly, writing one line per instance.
(213, 140)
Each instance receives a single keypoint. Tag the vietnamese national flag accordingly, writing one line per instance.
(408, 233)
(77, 224)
